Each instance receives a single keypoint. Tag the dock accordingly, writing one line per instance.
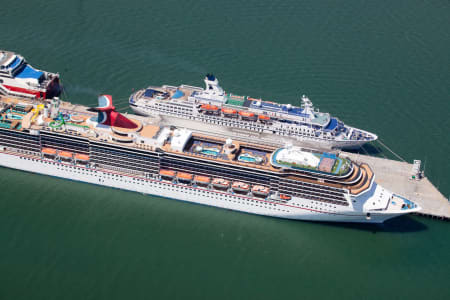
(396, 177)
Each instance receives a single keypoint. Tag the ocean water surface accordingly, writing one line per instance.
(378, 65)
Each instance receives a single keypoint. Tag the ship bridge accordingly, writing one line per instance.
(9, 61)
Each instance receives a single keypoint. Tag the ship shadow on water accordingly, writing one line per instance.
(400, 224)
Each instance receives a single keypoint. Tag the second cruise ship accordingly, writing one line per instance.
(215, 107)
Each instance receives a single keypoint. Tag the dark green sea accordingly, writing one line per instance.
(383, 66)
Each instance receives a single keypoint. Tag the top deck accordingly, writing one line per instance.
(6, 57)
(78, 121)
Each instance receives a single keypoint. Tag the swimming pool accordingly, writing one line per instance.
(247, 158)
(210, 152)
(16, 117)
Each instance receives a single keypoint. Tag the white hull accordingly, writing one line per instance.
(294, 209)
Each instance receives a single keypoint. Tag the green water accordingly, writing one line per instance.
(378, 65)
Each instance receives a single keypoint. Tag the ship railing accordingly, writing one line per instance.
(195, 88)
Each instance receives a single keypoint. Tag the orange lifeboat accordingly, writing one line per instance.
(263, 118)
(81, 157)
(184, 176)
(240, 186)
(167, 173)
(49, 151)
(220, 183)
(229, 111)
(259, 190)
(209, 107)
(247, 115)
(65, 154)
(202, 180)
(285, 197)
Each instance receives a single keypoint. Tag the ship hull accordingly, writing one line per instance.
(182, 192)
(250, 135)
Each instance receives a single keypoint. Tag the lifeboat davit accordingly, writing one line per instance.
(209, 108)
(49, 151)
(229, 112)
(259, 190)
(202, 180)
(240, 186)
(247, 115)
(187, 177)
(220, 183)
(285, 197)
(167, 173)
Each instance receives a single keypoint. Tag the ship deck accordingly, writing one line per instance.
(393, 175)
(5, 56)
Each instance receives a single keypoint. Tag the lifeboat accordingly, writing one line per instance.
(49, 151)
(229, 112)
(240, 186)
(184, 177)
(247, 115)
(220, 183)
(263, 118)
(167, 173)
(209, 108)
(259, 190)
(65, 155)
(81, 157)
(202, 180)
(285, 197)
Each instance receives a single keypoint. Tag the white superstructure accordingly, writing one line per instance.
(294, 155)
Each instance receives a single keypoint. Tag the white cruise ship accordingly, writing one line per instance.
(215, 107)
(102, 146)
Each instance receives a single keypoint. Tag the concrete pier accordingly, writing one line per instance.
(396, 177)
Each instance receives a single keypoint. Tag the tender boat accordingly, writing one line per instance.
(220, 183)
(239, 186)
(261, 191)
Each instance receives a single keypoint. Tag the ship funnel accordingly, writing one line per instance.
(108, 116)
(212, 85)
(307, 106)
